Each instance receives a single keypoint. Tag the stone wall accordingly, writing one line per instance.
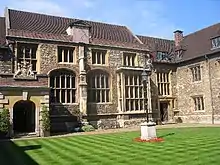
(8, 80)
(5, 61)
(215, 87)
(186, 89)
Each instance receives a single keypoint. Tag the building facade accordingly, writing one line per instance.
(93, 70)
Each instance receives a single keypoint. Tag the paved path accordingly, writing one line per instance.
(124, 130)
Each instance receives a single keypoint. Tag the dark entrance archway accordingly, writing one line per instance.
(24, 117)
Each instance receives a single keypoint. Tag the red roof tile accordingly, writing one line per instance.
(157, 44)
(34, 25)
(199, 43)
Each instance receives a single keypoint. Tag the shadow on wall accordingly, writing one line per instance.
(155, 99)
(13, 154)
(101, 121)
(64, 118)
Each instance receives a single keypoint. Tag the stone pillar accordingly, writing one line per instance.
(82, 82)
(44, 102)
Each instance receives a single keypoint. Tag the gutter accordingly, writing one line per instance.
(210, 87)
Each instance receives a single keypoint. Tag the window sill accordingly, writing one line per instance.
(200, 111)
(69, 63)
(196, 82)
(102, 103)
(60, 104)
(99, 64)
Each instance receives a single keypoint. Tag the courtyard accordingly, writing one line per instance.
(186, 145)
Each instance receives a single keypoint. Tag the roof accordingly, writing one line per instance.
(41, 26)
(156, 44)
(2, 31)
(198, 43)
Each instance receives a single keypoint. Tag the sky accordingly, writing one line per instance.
(156, 18)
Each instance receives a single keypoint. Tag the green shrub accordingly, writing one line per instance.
(45, 118)
(87, 128)
(4, 121)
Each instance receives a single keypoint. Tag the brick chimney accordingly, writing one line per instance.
(178, 37)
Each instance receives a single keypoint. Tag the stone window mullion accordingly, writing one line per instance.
(62, 55)
(71, 87)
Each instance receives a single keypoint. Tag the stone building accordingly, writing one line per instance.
(93, 70)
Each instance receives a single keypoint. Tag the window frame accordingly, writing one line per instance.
(97, 74)
(23, 57)
(133, 92)
(196, 72)
(103, 53)
(201, 106)
(129, 58)
(163, 55)
(215, 45)
(164, 84)
(72, 74)
(69, 48)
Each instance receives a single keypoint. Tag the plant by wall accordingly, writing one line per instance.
(45, 118)
(4, 121)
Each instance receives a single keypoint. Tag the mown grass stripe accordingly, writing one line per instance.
(57, 154)
(99, 149)
(83, 152)
(113, 149)
(185, 146)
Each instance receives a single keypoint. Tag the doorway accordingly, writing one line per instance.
(24, 117)
(164, 111)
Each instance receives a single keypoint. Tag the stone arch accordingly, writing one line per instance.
(24, 116)
(62, 68)
(63, 83)
(99, 85)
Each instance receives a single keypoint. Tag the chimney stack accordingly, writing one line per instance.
(178, 37)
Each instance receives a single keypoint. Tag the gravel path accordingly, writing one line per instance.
(124, 130)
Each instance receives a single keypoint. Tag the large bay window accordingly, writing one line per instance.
(98, 87)
(130, 85)
(63, 86)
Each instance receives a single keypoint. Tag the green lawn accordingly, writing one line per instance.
(181, 146)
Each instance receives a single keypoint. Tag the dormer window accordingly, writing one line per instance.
(216, 43)
(162, 56)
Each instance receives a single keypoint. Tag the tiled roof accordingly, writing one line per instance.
(41, 26)
(2, 31)
(156, 44)
(199, 43)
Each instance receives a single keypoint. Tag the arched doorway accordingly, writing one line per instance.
(24, 117)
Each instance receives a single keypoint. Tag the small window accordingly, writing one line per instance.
(162, 56)
(198, 103)
(99, 56)
(129, 59)
(196, 73)
(65, 55)
(216, 43)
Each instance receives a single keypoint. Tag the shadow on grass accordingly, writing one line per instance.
(169, 134)
(12, 154)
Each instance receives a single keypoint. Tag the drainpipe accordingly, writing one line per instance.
(210, 87)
